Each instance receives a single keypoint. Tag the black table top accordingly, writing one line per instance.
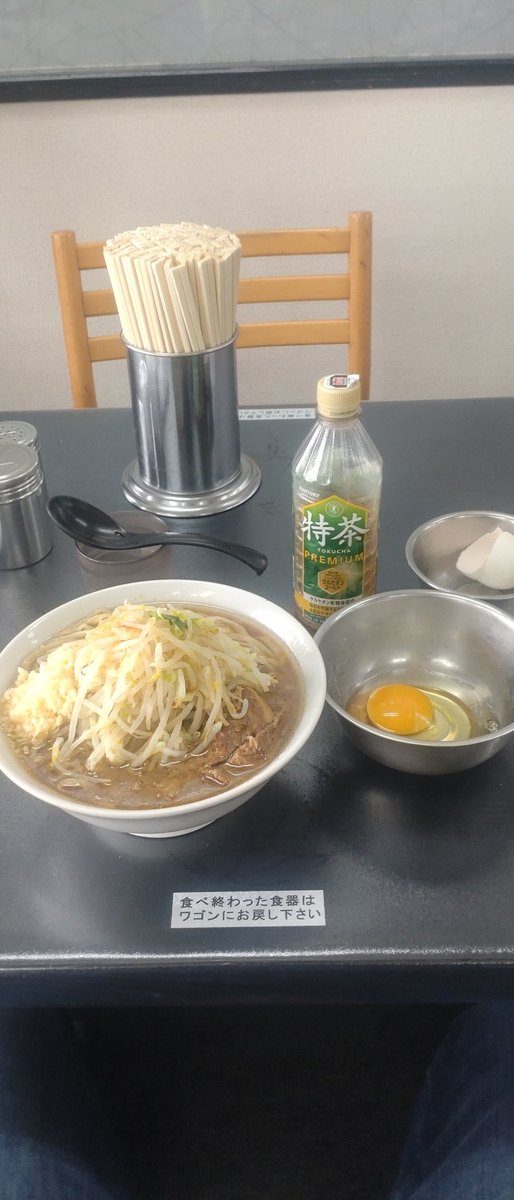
(416, 872)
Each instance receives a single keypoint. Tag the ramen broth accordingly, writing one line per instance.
(237, 752)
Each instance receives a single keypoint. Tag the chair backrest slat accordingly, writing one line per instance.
(105, 347)
(294, 333)
(293, 287)
(260, 243)
(100, 303)
(90, 255)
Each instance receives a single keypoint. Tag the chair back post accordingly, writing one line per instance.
(69, 286)
(359, 303)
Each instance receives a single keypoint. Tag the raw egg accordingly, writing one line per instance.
(422, 713)
(400, 708)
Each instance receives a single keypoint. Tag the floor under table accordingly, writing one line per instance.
(262, 1103)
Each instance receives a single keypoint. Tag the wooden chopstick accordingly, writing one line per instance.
(175, 286)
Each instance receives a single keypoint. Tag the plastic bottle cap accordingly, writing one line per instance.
(339, 395)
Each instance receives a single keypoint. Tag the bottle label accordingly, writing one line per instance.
(333, 547)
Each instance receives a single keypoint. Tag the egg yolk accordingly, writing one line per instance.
(399, 708)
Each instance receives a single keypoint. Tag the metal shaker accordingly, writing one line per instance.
(25, 535)
(22, 432)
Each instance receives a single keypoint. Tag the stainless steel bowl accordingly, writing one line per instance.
(432, 551)
(425, 638)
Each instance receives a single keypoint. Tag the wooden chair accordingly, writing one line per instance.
(72, 258)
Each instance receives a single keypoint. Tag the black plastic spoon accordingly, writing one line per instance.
(87, 524)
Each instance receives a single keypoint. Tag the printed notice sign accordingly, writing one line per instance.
(215, 910)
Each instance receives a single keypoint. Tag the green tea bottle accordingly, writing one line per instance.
(337, 483)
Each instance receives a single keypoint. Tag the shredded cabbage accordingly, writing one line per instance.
(136, 684)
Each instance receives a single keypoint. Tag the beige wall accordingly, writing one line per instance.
(435, 167)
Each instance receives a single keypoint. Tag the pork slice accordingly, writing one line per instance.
(240, 735)
(225, 742)
(255, 747)
(246, 754)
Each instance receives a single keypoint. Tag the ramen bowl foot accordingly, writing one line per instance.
(176, 832)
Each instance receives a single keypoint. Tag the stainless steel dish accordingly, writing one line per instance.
(432, 551)
(425, 638)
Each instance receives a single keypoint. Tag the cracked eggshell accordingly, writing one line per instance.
(490, 560)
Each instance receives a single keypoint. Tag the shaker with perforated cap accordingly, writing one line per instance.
(22, 432)
(25, 535)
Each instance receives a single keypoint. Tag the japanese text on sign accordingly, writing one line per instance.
(214, 910)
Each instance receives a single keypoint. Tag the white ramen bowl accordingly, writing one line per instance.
(184, 818)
